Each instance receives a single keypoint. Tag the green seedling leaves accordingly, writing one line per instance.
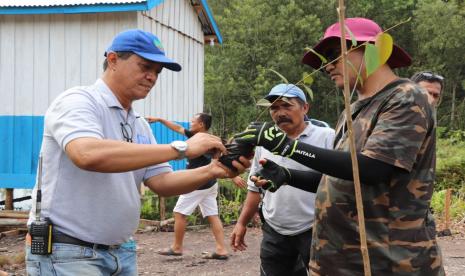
(307, 79)
(384, 43)
(371, 58)
(378, 54)
(279, 75)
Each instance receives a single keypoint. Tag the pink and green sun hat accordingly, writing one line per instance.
(364, 30)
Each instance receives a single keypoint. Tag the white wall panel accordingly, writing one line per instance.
(90, 68)
(73, 50)
(57, 70)
(7, 62)
(43, 55)
(24, 57)
(41, 63)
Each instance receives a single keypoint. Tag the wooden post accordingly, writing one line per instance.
(447, 208)
(162, 208)
(9, 199)
(353, 155)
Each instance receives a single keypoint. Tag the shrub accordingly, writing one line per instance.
(457, 207)
(150, 206)
(450, 167)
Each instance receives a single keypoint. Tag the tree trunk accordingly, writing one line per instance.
(9, 199)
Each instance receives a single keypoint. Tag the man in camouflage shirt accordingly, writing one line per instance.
(395, 144)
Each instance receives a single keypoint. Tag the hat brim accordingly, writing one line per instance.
(268, 100)
(398, 58)
(163, 60)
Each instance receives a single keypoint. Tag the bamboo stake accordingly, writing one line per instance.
(447, 208)
(358, 194)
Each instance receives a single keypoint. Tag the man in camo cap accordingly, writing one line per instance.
(394, 129)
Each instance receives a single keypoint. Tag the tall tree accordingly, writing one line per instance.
(439, 33)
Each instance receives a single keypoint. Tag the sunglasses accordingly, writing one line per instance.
(126, 129)
(332, 54)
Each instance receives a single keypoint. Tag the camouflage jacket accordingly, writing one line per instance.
(394, 126)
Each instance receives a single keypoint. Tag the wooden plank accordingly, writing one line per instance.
(13, 214)
(13, 222)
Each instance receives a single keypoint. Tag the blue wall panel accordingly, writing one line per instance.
(165, 136)
(20, 141)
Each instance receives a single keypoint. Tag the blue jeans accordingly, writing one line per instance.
(68, 259)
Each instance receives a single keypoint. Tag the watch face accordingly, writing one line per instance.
(180, 145)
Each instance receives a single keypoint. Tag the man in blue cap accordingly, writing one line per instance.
(96, 151)
(287, 213)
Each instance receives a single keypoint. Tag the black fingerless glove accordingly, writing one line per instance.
(236, 150)
(275, 175)
(267, 135)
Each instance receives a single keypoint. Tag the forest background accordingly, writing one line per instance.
(274, 34)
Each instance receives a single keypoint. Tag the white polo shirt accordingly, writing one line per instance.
(95, 207)
(289, 210)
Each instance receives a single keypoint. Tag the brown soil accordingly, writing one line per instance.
(196, 242)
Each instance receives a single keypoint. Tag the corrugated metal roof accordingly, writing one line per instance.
(209, 27)
(52, 3)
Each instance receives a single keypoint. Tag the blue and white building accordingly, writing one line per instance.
(49, 46)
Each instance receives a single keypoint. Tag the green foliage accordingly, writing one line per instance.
(450, 154)
(371, 58)
(438, 31)
(230, 200)
(230, 204)
(230, 210)
(150, 206)
(273, 34)
(258, 35)
(457, 207)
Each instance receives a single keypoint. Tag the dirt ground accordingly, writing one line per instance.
(196, 242)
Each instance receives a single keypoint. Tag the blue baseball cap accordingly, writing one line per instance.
(143, 44)
(283, 92)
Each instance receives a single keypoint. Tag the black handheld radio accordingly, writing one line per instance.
(40, 230)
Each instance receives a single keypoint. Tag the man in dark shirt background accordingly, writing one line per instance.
(205, 196)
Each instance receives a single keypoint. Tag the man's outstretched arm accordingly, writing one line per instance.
(171, 125)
